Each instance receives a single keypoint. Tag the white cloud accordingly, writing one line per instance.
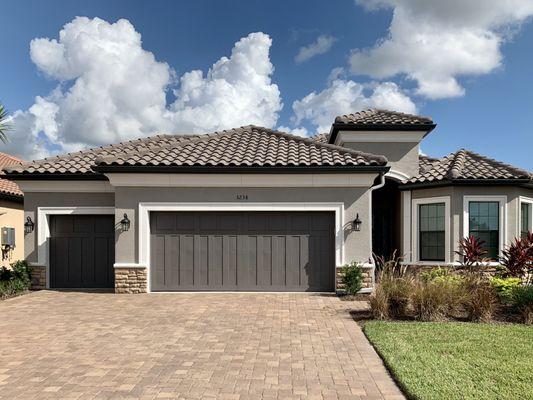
(322, 45)
(346, 96)
(298, 131)
(111, 89)
(434, 42)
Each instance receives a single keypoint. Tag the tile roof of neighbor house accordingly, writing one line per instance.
(247, 146)
(8, 187)
(466, 165)
(383, 117)
(244, 146)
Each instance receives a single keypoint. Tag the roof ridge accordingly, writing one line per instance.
(456, 167)
(308, 140)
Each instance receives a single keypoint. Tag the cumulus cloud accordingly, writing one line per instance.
(322, 45)
(299, 131)
(434, 42)
(346, 96)
(111, 89)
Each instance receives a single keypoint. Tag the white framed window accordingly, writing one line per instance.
(431, 230)
(525, 216)
(485, 217)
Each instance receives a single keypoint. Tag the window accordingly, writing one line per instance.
(432, 232)
(526, 217)
(484, 223)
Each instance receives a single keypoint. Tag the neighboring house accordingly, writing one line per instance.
(255, 209)
(11, 215)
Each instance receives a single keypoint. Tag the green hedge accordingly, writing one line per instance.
(15, 280)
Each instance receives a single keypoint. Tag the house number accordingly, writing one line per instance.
(242, 197)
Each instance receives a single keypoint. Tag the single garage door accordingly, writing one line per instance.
(82, 251)
(253, 251)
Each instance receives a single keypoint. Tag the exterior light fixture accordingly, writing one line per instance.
(357, 223)
(28, 225)
(125, 223)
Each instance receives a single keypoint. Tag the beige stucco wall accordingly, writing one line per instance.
(457, 194)
(33, 200)
(356, 200)
(402, 156)
(12, 216)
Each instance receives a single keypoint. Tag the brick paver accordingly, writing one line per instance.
(72, 345)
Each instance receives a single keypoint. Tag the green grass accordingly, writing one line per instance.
(457, 360)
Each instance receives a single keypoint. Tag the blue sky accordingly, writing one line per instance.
(491, 116)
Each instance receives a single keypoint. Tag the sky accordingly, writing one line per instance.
(82, 74)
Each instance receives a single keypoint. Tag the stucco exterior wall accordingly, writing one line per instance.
(33, 200)
(457, 194)
(12, 216)
(402, 156)
(356, 200)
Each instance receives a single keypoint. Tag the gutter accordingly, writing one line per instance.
(468, 182)
(372, 188)
(241, 169)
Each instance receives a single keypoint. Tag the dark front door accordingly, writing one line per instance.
(82, 251)
(250, 251)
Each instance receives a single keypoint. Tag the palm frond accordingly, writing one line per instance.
(4, 126)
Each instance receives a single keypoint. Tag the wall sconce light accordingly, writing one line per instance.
(29, 226)
(357, 223)
(125, 223)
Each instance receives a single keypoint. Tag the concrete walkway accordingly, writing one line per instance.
(72, 345)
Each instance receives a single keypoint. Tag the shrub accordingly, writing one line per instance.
(379, 303)
(522, 302)
(15, 280)
(517, 258)
(472, 252)
(437, 298)
(504, 287)
(352, 278)
(398, 292)
(389, 267)
(480, 301)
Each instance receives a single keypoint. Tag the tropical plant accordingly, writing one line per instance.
(4, 126)
(472, 253)
(517, 258)
(352, 278)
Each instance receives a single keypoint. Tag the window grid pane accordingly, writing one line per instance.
(525, 218)
(431, 232)
(484, 223)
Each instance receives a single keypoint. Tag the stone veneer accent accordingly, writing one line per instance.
(38, 277)
(368, 279)
(130, 280)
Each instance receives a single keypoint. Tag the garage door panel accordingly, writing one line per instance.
(215, 261)
(243, 251)
(82, 251)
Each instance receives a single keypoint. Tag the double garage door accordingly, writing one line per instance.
(250, 251)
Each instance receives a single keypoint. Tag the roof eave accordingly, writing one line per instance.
(57, 176)
(17, 198)
(240, 169)
(338, 126)
(468, 182)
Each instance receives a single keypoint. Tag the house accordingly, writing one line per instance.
(11, 215)
(254, 209)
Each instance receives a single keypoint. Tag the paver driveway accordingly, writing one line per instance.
(71, 345)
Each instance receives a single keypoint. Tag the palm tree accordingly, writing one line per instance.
(4, 126)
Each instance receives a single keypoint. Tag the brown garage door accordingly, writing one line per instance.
(255, 251)
(82, 251)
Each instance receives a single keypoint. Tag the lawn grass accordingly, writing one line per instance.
(457, 360)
